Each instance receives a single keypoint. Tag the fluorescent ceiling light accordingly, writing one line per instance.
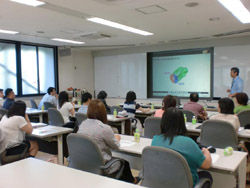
(68, 41)
(8, 32)
(237, 9)
(119, 26)
(33, 3)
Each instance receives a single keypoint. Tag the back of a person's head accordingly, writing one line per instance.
(242, 98)
(50, 89)
(168, 102)
(102, 95)
(130, 97)
(18, 108)
(97, 110)
(86, 96)
(236, 69)
(1, 90)
(194, 97)
(173, 123)
(8, 91)
(62, 98)
(226, 106)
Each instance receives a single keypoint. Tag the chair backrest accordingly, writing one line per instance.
(33, 104)
(244, 117)
(189, 115)
(48, 105)
(152, 126)
(2, 112)
(80, 117)
(219, 134)
(164, 167)
(118, 109)
(55, 117)
(84, 154)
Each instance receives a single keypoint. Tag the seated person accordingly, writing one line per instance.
(66, 108)
(102, 95)
(242, 100)
(226, 112)
(194, 107)
(173, 131)
(86, 98)
(168, 101)
(15, 124)
(95, 127)
(50, 97)
(10, 98)
(1, 97)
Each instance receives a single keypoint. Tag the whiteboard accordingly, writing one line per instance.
(118, 74)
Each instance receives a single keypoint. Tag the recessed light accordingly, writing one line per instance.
(192, 4)
(40, 32)
(8, 32)
(68, 41)
(34, 3)
(119, 26)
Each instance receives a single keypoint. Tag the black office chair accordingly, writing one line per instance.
(48, 105)
(189, 115)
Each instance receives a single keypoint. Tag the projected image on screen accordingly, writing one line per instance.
(180, 75)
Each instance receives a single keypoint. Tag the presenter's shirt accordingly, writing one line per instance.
(237, 85)
(240, 108)
(187, 148)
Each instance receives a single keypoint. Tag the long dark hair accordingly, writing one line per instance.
(18, 108)
(226, 106)
(63, 97)
(131, 97)
(173, 123)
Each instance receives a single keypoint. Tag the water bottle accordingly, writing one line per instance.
(79, 102)
(42, 107)
(194, 120)
(115, 113)
(152, 107)
(137, 135)
(185, 118)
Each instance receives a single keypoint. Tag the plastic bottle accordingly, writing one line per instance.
(79, 102)
(115, 113)
(42, 107)
(137, 135)
(228, 151)
(185, 118)
(152, 107)
(194, 120)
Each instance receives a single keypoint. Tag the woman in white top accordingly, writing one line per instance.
(66, 108)
(226, 112)
(14, 125)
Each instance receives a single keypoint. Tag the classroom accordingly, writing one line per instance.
(125, 93)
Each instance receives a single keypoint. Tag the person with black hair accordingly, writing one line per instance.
(237, 83)
(50, 97)
(15, 124)
(10, 98)
(86, 98)
(1, 97)
(66, 108)
(173, 136)
(241, 100)
(167, 102)
(194, 107)
(226, 112)
(102, 95)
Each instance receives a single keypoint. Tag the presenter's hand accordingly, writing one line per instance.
(228, 90)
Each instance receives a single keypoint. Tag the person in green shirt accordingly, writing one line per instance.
(173, 131)
(242, 100)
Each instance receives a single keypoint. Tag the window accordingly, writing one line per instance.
(27, 69)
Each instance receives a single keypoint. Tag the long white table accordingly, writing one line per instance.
(34, 173)
(32, 111)
(234, 165)
(50, 131)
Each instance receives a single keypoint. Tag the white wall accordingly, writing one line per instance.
(76, 70)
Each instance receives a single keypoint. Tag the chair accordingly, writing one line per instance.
(2, 112)
(80, 117)
(55, 117)
(219, 134)
(118, 109)
(189, 115)
(48, 105)
(33, 104)
(164, 167)
(244, 117)
(85, 155)
(152, 126)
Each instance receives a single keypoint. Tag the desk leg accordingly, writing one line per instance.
(41, 118)
(241, 174)
(123, 127)
(60, 149)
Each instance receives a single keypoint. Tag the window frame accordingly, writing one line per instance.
(18, 45)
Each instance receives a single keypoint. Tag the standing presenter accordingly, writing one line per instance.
(237, 82)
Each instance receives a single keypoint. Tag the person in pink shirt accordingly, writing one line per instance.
(167, 102)
(194, 107)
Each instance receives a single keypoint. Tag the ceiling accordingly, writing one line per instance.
(170, 21)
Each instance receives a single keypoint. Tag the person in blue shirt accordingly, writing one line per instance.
(51, 97)
(173, 131)
(10, 98)
(86, 98)
(237, 82)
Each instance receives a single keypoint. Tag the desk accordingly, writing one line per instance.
(50, 131)
(121, 121)
(234, 165)
(33, 111)
(30, 173)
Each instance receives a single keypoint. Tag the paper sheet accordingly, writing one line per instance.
(126, 143)
(215, 157)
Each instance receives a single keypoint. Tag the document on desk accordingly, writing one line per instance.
(36, 125)
(215, 157)
(126, 143)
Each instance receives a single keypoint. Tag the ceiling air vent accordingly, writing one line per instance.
(232, 33)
